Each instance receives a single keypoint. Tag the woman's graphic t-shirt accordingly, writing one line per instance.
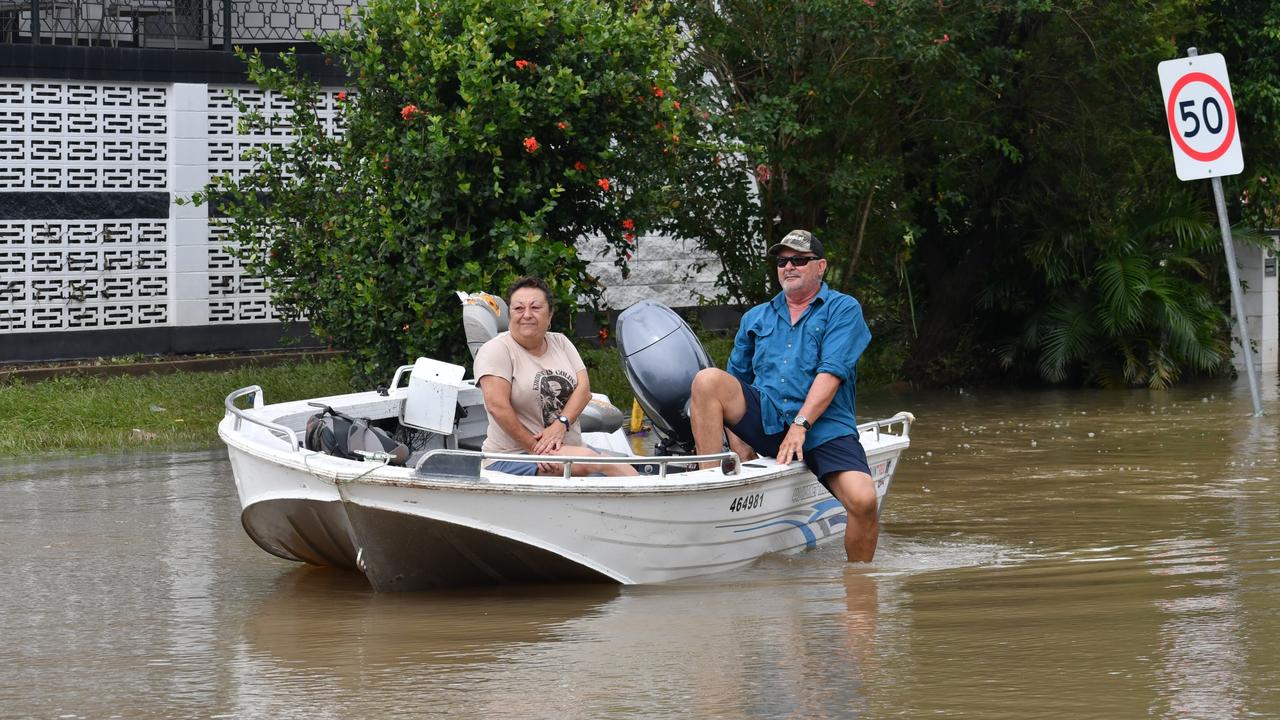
(540, 386)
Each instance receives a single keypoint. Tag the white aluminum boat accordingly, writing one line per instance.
(447, 521)
(444, 520)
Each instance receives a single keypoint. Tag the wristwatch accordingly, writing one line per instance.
(564, 420)
(802, 422)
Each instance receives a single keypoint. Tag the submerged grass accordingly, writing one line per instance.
(77, 414)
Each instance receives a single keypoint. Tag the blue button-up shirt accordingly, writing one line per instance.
(781, 360)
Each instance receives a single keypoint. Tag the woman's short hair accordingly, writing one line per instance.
(534, 282)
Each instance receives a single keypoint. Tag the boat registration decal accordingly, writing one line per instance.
(746, 502)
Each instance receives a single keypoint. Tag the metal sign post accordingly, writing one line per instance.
(1202, 130)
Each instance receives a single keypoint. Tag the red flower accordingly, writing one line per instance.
(657, 91)
(531, 144)
(408, 111)
(522, 64)
(630, 238)
(580, 166)
(342, 96)
(628, 254)
(562, 124)
(675, 104)
(946, 38)
(628, 224)
(660, 125)
(675, 139)
(763, 173)
(603, 335)
(603, 183)
(386, 162)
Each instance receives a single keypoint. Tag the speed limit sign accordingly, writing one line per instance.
(1201, 117)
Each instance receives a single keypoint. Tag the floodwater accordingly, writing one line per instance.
(1081, 554)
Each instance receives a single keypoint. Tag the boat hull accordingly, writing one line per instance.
(290, 514)
(419, 534)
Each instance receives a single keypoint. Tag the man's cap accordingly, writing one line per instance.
(800, 241)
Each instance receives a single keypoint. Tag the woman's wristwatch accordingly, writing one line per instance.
(564, 419)
(802, 422)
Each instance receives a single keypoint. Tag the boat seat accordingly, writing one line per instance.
(483, 317)
(431, 400)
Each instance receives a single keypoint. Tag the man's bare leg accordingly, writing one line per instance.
(857, 493)
(717, 400)
(740, 446)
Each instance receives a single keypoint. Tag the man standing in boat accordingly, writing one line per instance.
(789, 389)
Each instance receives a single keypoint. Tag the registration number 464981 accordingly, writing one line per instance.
(746, 502)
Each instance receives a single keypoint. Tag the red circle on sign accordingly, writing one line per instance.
(1212, 82)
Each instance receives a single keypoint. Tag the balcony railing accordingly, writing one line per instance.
(172, 24)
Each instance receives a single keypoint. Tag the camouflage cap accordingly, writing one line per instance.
(800, 241)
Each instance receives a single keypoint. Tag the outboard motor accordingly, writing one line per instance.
(660, 355)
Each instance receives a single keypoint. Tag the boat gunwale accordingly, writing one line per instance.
(337, 470)
(389, 475)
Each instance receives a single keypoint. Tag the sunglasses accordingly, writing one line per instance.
(796, 260)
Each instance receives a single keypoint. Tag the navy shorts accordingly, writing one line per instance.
(514, 467)
(833, 456)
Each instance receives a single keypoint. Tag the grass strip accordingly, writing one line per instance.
(76, 414)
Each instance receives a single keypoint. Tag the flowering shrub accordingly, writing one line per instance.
(478, 141)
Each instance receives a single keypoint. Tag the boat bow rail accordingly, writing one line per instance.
(240, 416)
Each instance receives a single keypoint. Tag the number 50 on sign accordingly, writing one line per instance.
(1201, 117)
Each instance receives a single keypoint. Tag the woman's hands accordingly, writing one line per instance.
(549, 442)
(550, 439)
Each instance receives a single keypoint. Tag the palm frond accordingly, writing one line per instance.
(1121, 283)
(1066, 340)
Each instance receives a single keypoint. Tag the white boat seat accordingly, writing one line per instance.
(483, 317)
(431, 400)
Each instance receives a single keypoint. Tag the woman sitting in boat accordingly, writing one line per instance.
(535, 386)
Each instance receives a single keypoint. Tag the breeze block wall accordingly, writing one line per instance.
(97, 258)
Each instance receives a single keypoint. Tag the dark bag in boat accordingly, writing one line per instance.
(334, 433)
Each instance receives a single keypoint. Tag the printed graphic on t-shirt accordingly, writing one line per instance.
(554, 388)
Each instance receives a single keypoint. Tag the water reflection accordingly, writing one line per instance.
(331, 620)
(1200, 648)
(1044, 554)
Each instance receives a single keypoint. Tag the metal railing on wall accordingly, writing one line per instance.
(170, 24)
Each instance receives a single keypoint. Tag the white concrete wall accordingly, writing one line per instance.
(1258, 273)
(662, 269)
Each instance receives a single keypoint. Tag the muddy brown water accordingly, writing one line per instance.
(1044, 554)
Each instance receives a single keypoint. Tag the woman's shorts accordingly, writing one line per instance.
(513, 467)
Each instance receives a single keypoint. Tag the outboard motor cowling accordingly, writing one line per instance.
(660, 355)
